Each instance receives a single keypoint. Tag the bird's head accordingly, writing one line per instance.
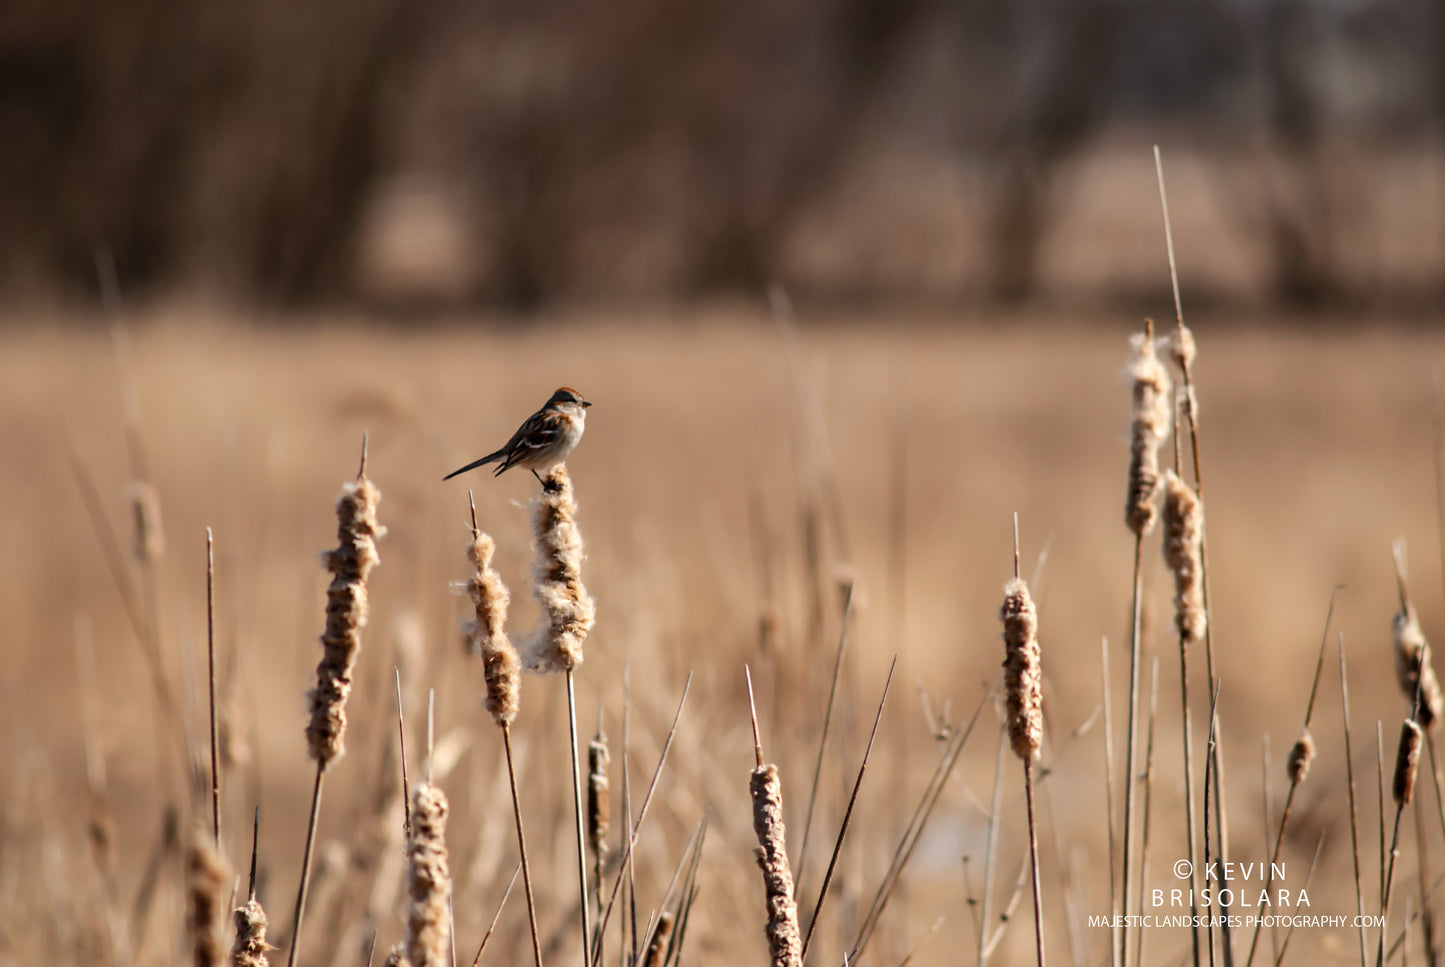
(567, 396)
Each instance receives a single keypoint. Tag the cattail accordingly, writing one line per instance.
(396, 958)
(567, 610)
(1182, 349)
(784, 942)
(1413, 669)
(657, 948)
(500, 664)
(1148, 428)
(145, 507)
(1300, 757)
(1407, 762)
(429, 881)
(1023, 679)
(251, 946)
(1183, 550)
(207, 879)
(599, 797)
(346, 612)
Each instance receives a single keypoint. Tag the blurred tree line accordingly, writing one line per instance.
(662, 148)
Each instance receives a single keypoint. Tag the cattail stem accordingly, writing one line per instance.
(1148, 807)
(599, 819)
(1131, 747)
(1354, 810)
(1034, 861)
(211, 665)
(306, 854)
(580, 825)
(522, 847)
(1109, 804)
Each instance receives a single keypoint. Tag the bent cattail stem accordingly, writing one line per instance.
(1023, 678)
(346, 613)
(499, 658)
(567, 609)
(251, 946)
(657, 948)
(784, 941)
(1300, 757)
(599, 796)
(145, 507)
(1183, 549)
(1148, 429)
(207, 879)
(429, 881)
(1407, 762)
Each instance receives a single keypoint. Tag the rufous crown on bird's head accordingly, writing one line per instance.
(567, 395)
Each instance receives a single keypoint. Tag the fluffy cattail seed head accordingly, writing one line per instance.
(657, 947)
(250, 947)
(1413, 669)
(599, 796)
(500, 663)
(1300, 757)
(1407, 762)
(1183, 550)
(351, 562)
(785, 944)
(1182, 349)
(428, 881)
(1148, 428)
(1022, 676)
(207, 880)
(396, 958)
(145, 507)
(567, 609)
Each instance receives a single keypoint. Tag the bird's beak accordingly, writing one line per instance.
(585, 404)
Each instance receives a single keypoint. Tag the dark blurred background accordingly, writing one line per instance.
(434, 155)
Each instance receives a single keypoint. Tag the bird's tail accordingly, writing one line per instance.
(489, 458)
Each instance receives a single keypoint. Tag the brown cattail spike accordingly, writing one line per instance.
(500, 664)
(396, 957)
(357, 532)
(657, 948)
(251, 947)
(785, 944)
(1183, 550)
(1407, 762)
(599, 797)
(207, 880)
(428, 881)
(1023, 678)
(1148, 429)
(1413, 669)
(1300, 757)
(567, 609)
(150, 535)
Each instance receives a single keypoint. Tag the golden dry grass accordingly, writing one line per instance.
(1317, 454)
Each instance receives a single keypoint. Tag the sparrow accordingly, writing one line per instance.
(544, 440)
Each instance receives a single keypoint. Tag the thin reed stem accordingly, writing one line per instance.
(1354, 808)
(1034, 862)
(211, 666)
(1148, 810)
(496, 916)
(297, 915)
(1131, 751)
(521, 847)
(1109, 805)
(991, 843)
(580, 824)
(823, 738)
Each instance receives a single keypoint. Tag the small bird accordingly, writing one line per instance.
(545, 440)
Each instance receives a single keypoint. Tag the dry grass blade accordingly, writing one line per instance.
(848, 813)
(1354, 809)
(496, 916)
(211, 666)
(1148, 811)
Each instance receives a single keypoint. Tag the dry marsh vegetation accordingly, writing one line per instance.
(806, 503)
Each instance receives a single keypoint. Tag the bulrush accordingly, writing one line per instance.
(1413, 669)
(1023, 688)
(1407, 763)
(346, 613)
(1148, 428)
(785, 943)
(250, 947)
(1183, 544)
(428, 881)
(1300, 757)
(500, 664)
(567, 609)
(207, 879)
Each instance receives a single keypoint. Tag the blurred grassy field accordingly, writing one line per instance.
(697, 477)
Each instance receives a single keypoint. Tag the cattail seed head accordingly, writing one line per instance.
(207, 879)
(1148, 428)
(145, 507)
(1300, 757)
(1413, 669)
(1023, 677)
(1183, 550)
(567, 609)
(1407, 762)
(346, 613)
(251, 947)
(428, 881)
(500, 663)
(396, 957)
(599, 796)
(1182, 349)
(785, 944)
(657, 947)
